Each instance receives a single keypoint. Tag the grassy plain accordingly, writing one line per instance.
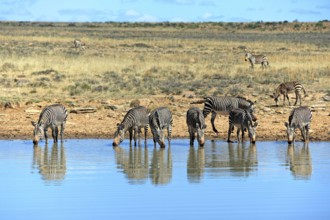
(127, 61)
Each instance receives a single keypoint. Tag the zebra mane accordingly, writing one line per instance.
(248, 100)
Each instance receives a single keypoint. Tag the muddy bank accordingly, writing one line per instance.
(15, 120)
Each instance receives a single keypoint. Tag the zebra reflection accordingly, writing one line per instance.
(237, 160)
(300, 161)
(196, 164)
(51, 163)
(134, 163)
(161, 166)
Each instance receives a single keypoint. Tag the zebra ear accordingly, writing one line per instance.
(33, 124)
(286, 124)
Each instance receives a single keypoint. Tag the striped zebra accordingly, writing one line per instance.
(196, 125)
(51, 116)
(299, 118)
(223, 105)
(79, 44)
(285, 88)
(160, 119)
(135, 119)
(257, 59)
(242, 119)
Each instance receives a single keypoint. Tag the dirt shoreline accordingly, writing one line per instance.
(15, 122)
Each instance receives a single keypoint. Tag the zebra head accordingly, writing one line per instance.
(159, 135)
(200, 129)
(38, 132)
(247, 105)
(119, 135)
(290, 131)
(252, 128)
(275, 96)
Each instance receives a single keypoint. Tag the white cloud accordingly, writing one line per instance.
(178, 2)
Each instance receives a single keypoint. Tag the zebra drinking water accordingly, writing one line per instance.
(223, 105)
(196, 124)
(299, 118)
(242, 119)
(79, 44)
(135, 119)
(285, 88)
(257, 59)
(51, 116)
(160, 119)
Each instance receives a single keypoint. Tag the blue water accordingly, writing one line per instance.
(89, 179)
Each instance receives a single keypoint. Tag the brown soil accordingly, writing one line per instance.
(15, 120)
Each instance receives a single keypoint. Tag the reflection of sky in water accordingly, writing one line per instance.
(89, 179)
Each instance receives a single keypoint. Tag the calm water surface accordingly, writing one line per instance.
(89, 179)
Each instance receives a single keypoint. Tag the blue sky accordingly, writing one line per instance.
(164, 10)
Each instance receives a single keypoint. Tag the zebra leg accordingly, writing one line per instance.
(307, 132)
(46, 135)
(169, 133)
(192, 136)
(62, 131)
(303, 133)
(238, 134)
(54, 133)
(130, 131)
(287, 96)
(145, 133)
(214, 115)
(135, 130)
(229, 133)
(242, 133)
(297, 97)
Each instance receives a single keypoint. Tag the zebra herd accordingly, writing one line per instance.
(240, 111)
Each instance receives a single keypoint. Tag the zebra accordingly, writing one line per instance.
(79, 44)
(299, 118)
(223, 105)
(257, 59)
(285, 88)
(159, 119)
(196, 124)
(242, 119)
(51, 116)
(135, 119)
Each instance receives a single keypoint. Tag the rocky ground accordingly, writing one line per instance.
(99, 119)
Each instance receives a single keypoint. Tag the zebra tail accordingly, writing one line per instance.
(198, 102)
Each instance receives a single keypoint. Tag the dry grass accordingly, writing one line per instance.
(38, 62)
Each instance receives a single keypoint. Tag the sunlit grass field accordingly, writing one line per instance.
(38, 61)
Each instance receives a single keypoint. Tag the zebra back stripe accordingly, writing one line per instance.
(56, 113)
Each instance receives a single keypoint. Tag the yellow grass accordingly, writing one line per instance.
(147, 55)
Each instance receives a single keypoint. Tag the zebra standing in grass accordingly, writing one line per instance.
(223, 105)
(196, 124)
(242, 119)
(299, 118)
(135, 119)
(51, 116)
(257, 59)
(285, 88)
(79, 44)
(160, 119)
